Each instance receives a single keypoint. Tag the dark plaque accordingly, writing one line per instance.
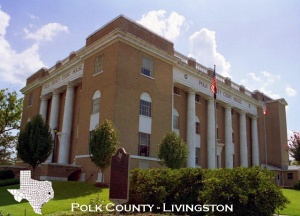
(119, 177)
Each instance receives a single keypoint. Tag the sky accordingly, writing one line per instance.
(255, 43)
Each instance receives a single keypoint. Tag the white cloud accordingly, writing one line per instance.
(16, 67)
(263, 81)
(46, 32)
(4, 22)
(290, 92)
(166, 26)
(203, 47)
(254, 77)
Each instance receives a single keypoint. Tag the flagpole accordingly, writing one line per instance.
(216, 130)
(214, 89)
(265, 112)
(265, 137)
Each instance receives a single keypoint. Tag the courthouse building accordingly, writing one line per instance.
(129, 75)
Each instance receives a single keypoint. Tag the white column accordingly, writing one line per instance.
(53, 123)
(191, 129)
(255, 152)
(211, 134)
(64, 147)
(243, 140)
(228, 138)
(43, 107)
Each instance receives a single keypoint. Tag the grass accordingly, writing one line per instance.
(292, 209)
(65, 193)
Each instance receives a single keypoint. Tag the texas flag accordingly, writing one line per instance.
(265, 108)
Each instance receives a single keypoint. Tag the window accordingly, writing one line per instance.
(30, 99)
(197, 125)
(217, 131)
(98, 64)
(197, 158)
(96, 102)
(147, 67)
(290, 175)
(232, 137)
(96, 105)
(145, 108)
(176, 90)
(217, 106)
(218, 161)
(197, 98)
(144, 144)
(175, 119)
(92, 133)
(145, 104)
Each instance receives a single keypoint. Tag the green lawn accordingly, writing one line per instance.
(292, 209)
(65, 193)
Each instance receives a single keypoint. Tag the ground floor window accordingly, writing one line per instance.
(290, 175)
(197, 156)
(144, 144)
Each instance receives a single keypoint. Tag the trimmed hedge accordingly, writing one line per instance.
(6, 174)
(251, 191)
(7, 182)
(158, 186)
(297, 185)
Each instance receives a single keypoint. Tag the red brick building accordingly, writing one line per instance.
(134, 77)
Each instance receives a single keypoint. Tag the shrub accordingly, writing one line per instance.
(297, 185)
(158, 186)
(6, 174)
(251, 191)
(7, 182)
(148, 186)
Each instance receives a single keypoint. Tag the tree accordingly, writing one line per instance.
(294, 146)
(172, 151)
(103, 145)
(35, 142)
(7, 148)
(10, 116)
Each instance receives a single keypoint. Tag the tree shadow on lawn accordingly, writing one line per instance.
(62, 190)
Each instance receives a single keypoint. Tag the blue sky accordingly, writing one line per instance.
(255, 43)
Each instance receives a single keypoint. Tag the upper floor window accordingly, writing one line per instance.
(197, 98)
(176, 90)
(98, 64)
(30, 99)
(144, 144)
(147, 67)
(145, 105)
(96, 102)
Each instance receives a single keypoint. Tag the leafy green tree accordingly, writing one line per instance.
(294, 146)
(103, 145)
(35, 142)
(10, 116)
(7, 148)
(172, 151)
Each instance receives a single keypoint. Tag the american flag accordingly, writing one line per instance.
(213, 85)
